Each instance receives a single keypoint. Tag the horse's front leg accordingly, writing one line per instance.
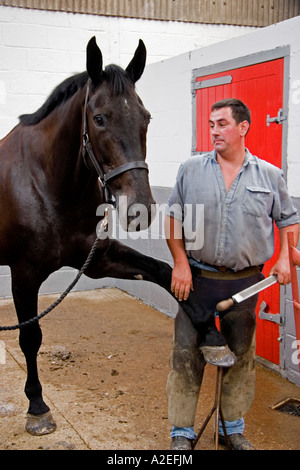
(25, 292)
(120, 261)
(123, 262)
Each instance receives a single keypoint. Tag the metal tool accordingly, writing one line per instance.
(246, 293)
(219, 415)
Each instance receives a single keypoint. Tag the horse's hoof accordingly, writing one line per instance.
(38, 425)
(220, 356)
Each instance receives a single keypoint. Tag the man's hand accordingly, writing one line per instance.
(182, 282)
(282, 270)
(282, 266)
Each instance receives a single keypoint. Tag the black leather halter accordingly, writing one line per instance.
(111, 174)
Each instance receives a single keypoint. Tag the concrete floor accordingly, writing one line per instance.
(108, 392)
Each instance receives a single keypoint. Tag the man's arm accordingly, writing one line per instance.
(181, 283)
(282, 266)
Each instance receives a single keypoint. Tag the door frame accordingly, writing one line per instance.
(244, 61)
(282, 52)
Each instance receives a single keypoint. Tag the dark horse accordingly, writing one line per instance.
(92, 125)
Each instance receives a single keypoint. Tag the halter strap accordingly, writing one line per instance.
(122, 168)
(114, 173)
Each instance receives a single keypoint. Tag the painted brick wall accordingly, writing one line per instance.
(38, 49)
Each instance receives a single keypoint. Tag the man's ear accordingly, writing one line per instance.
(244, 128)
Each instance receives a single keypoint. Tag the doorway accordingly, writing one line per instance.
(260, 82)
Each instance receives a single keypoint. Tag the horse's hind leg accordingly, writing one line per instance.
(25, 292)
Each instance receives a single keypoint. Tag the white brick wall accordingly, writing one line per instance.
(38, 49)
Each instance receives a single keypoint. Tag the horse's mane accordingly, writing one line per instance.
(59, 95)
(115, 76)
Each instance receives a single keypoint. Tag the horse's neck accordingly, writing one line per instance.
(66, 163)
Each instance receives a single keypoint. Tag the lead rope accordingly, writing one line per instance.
(102, 228)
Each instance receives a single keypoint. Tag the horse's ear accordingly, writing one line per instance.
(136, 66)
(94, 61)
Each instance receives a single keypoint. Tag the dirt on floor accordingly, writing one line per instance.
(103, 365)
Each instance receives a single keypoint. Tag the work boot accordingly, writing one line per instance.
(181, 443)
(220, 356)
(236, 442)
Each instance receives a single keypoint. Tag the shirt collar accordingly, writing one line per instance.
(249, 158)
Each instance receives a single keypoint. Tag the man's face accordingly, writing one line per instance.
(226, 135)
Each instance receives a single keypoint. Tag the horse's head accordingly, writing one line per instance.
(116, 125)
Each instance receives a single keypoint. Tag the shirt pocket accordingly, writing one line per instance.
(257, 201)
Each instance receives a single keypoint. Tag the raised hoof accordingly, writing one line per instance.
(40, 425)
(220, 356)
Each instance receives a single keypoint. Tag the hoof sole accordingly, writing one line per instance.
(220, 356)
(40, 425)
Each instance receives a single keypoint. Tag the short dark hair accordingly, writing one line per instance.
(240, 112)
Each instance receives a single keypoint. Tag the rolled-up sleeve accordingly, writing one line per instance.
(284, 213)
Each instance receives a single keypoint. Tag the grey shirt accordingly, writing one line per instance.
(237, 229)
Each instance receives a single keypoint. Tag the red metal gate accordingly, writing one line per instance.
(260, 86)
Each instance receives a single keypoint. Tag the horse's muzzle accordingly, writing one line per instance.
(136, 216)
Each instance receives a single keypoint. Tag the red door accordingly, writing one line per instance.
(260, 87)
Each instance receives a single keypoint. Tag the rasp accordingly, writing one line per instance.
(246, 293)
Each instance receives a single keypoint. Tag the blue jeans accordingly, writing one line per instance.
(232, 427)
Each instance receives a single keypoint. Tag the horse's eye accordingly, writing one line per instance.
(99, 120)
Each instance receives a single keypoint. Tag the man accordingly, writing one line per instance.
(242, 197)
